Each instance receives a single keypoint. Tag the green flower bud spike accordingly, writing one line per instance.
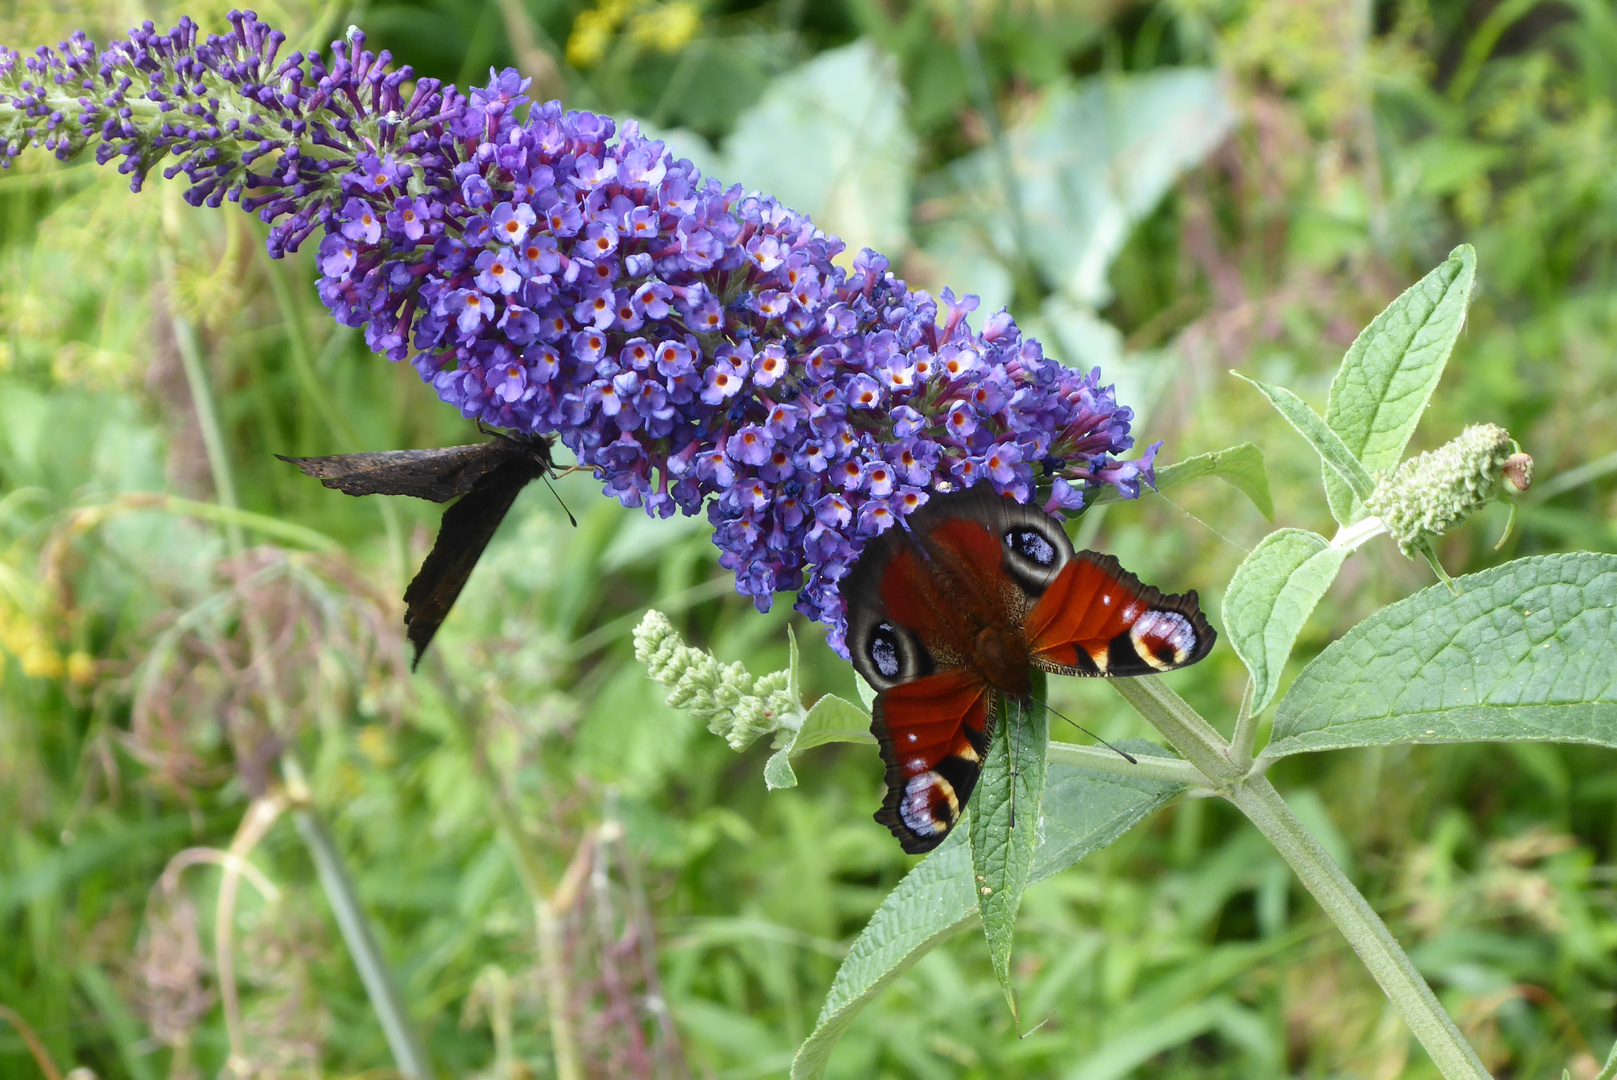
(735, 705)
(1431, 493)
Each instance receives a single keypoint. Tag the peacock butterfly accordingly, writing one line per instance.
(484, 477)
(957, 607)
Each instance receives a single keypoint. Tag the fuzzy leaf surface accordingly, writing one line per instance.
(830, 720)
(1270, 598)
(1524, 653)
(1326, 443)
(1391, 369)
(1004, 823)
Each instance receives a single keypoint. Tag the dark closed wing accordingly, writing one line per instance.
(1098, 619)
(467, 528)
(486, 478)
(436, 475)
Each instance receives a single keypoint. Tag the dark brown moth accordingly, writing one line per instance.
(484, 478)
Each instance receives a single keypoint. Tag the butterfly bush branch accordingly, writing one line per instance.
(1187, 732)
(545, 271)
(1357, 920)
(1230, 773)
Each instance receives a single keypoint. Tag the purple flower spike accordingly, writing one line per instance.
(693, 344)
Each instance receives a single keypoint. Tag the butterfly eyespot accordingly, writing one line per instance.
(883, 649)
(929, 806)
(1163, 639)
(1032, 545)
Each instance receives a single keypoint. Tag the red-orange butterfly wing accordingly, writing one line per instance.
(933, 733)
(1098, 619)
(919, 596)
(916, 598)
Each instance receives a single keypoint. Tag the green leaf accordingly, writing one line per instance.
(1083, 812)
(867, 695)
(833, 720)
(1004, 823)
(778, 772)
(1390, 371)
(1326, 443)
(1270, 598)
(794, 681)
(830, 720)
(1524, 653)
(1239, 466)
(844, 112)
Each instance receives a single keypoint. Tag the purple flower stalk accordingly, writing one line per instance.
(693, 344)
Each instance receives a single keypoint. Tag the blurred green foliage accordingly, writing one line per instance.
(1028, 150)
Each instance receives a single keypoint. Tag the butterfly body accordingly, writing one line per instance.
(953, 613)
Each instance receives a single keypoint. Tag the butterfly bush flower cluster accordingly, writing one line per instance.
(544, 271)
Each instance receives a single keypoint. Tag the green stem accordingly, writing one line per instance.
(356, 932)
(1097, 759)
(1363, 928)
(1246, 729)
(1193, 737)
(1223, 769)
(213, 439)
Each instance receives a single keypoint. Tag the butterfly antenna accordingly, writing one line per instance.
(1234, 544)
(570, 518)
(1130, 758)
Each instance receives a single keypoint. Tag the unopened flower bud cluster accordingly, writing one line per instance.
(1433, 492)
(735, 705)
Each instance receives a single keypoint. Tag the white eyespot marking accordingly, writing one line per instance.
(915, 765)
(912, 737)
(883, 649)
(928, 806)
(1163, 639)
(1032, 545)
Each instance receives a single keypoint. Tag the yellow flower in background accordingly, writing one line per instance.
(593, 30)
(666, 27)
(40, 661)
(22, 633)
(376, 744)
(81, 668)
